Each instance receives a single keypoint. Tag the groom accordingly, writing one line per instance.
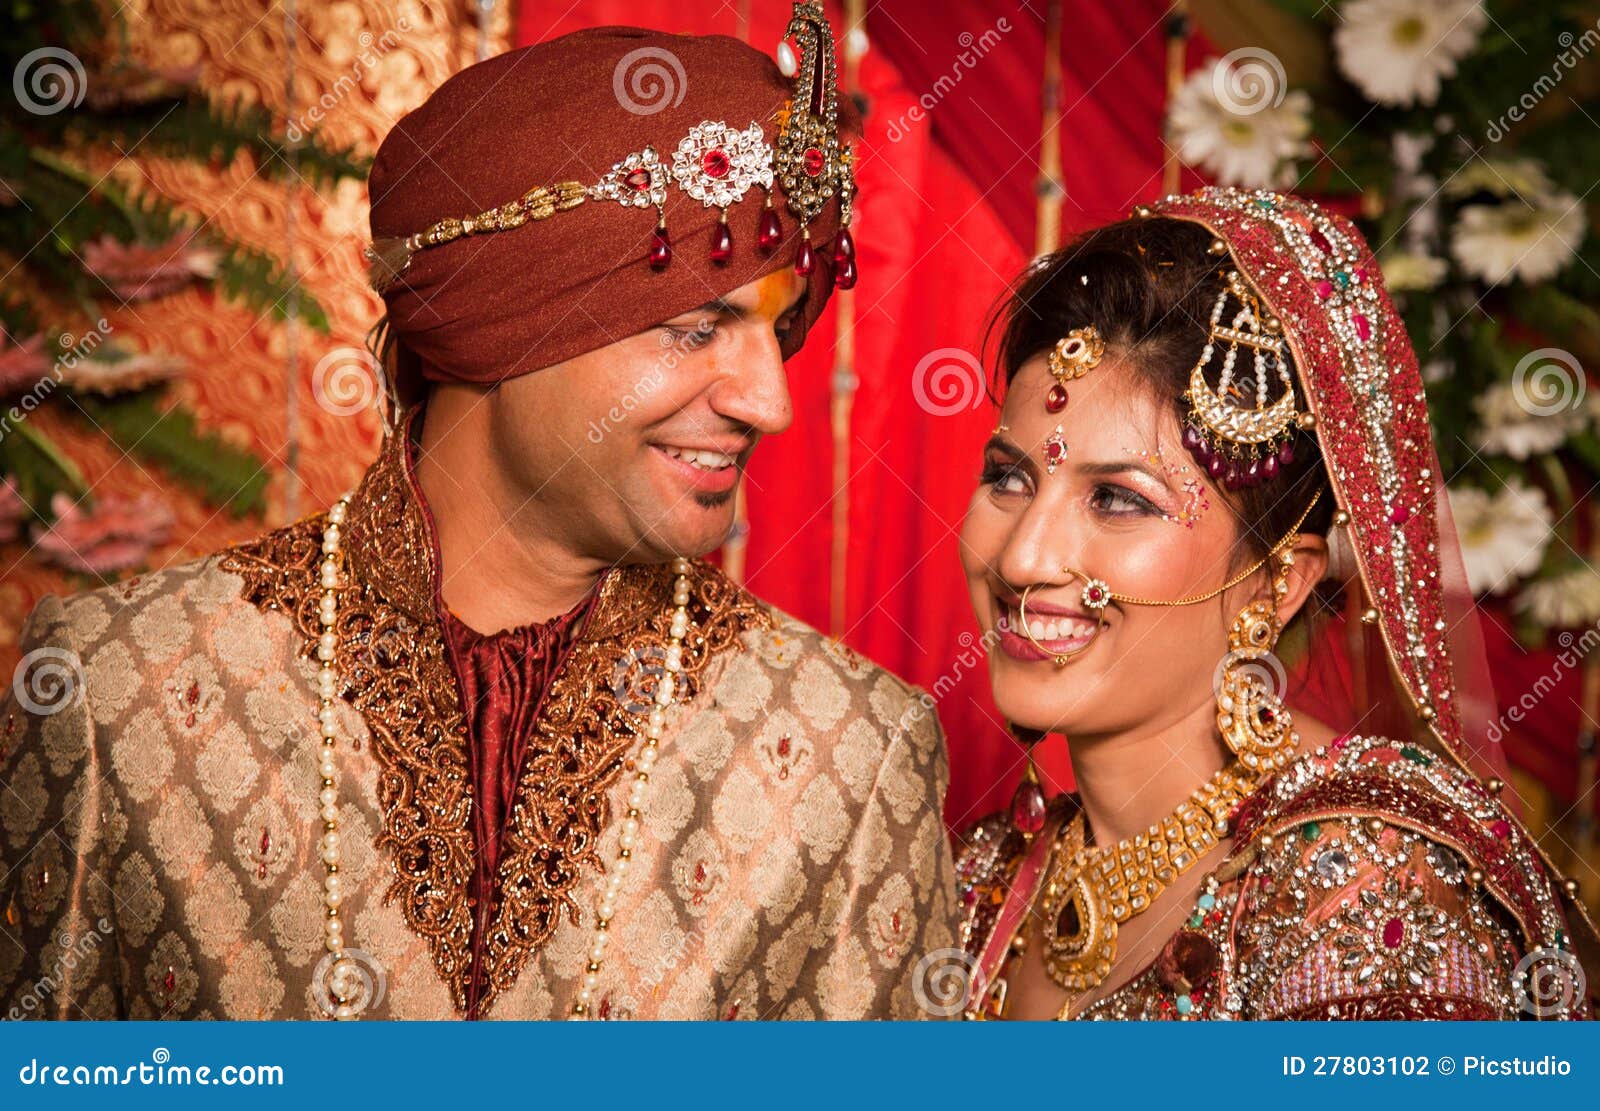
(484, 740)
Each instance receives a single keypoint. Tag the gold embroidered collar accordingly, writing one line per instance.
(397, 675)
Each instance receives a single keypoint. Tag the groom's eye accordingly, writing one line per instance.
(692, 336)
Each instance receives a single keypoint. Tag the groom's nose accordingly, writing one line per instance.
(753, 390)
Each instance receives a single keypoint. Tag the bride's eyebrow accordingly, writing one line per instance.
(1123, 466)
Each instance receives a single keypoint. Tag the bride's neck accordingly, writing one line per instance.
(1131, 780)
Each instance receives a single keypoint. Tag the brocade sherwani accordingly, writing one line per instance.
(159, 810)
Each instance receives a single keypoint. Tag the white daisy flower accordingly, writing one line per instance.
(1563, 601)
(1503, 535)
(1250, 137)
(1527, 239)
(1398, 51)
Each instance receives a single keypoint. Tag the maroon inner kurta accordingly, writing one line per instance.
(503, 679)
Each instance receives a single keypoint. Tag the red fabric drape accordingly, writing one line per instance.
(945, 219)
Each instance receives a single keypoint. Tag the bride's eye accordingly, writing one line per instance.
(1119, 501)
(1004, 477)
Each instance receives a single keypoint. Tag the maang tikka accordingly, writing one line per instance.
(1074, 355)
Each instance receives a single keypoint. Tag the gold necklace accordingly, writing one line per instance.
(1090, 890)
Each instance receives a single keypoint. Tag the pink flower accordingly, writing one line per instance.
(22, 364)
(140, 271)
(114, 534)
(12, 511)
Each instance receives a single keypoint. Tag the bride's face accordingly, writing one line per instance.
(1127, 505)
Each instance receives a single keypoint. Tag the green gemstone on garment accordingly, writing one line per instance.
(1561, 939)
(1416, 755)
(1309, 832)
(1207, 901)
(1266, 204)
(1185, 1004)
(1341, 279)
(1195, 921)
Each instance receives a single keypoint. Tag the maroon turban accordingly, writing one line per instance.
(490, 306)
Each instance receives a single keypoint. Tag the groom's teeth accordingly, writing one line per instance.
(705, 460)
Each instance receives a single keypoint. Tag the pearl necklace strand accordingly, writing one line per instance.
(344, 970)
(666, 688)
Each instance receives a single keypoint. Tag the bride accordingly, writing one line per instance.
(1211, 540)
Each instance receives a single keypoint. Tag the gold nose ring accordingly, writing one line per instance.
(1095, 597)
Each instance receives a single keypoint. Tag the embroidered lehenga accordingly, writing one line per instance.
(1381, 876)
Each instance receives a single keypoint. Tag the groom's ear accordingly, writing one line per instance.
(1310, 566)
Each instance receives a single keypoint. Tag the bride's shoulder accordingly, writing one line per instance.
(1384, 865)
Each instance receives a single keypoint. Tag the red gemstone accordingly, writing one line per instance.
(1359, 275)
(1266, 715)
(783, 745)
(715, 163)
(1056, 399)
(638, 181)
(969, 895)
(844, 246)
(771, 233)
(814, 161)
(1096, 595)
(1054, 451)
(1363, 327)
(721, 243)
(1324, 289)
(1027, 808)
(170, 983)
(806, 260)
(1500, 828)
(844, 274)
(1394, 932)
(1320, 242)
(1399, 515)
(660, 250)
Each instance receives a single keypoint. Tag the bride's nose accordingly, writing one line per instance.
(1047, 537)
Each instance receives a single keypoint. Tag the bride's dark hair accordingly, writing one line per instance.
(1147, 285)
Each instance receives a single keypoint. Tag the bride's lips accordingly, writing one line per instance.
(714, 470)
(1058, 630)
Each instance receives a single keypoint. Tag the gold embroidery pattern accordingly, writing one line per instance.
(397, 675)
(590, 721)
